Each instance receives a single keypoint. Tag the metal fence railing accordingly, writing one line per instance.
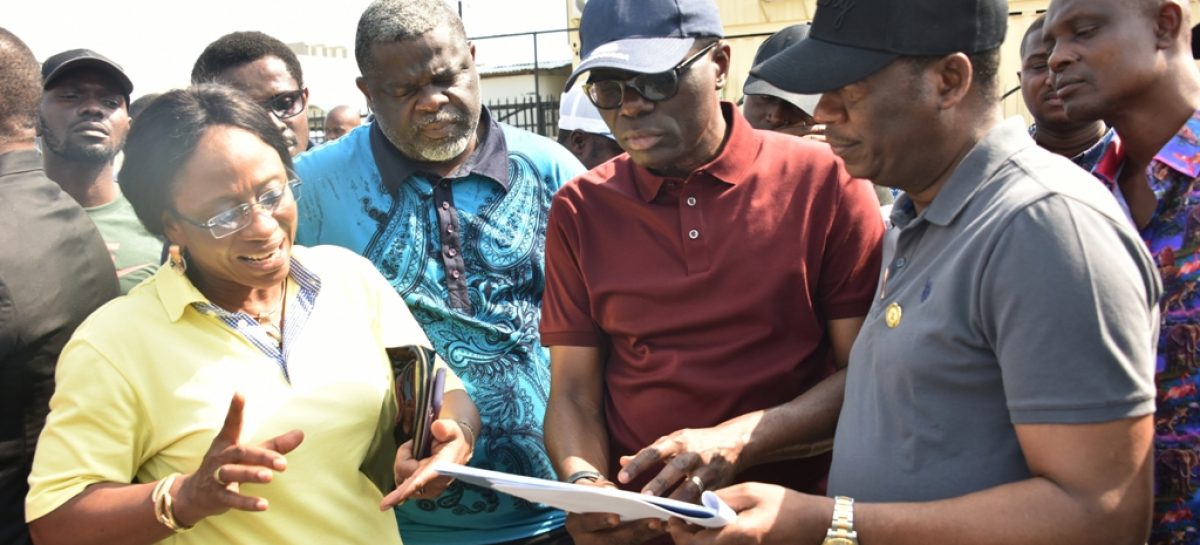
(534, 114)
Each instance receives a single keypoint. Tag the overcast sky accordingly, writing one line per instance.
(156, 41)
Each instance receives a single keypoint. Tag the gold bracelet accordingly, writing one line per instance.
(156, 499)
(164, 504)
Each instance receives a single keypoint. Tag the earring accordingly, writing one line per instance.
(176, 259)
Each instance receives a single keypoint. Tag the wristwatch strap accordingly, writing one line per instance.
(842, 527)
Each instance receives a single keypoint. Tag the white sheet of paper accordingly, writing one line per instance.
(577, 498)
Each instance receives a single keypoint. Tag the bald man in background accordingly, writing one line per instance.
(339, 121)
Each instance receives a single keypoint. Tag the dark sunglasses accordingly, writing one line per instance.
(286, 105)
(610, 94)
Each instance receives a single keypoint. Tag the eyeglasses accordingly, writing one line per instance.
(286, 105)
(610, 94)
(239, 217)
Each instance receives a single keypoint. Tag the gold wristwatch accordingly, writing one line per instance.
(841, 531)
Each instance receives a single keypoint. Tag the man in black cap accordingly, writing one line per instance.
(770, 108)
(54, 271)
(1001, 389)
(83, 119)
(703, 289)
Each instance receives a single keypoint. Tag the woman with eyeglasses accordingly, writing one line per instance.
(243, 393)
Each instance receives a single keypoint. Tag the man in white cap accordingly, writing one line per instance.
(582, 131)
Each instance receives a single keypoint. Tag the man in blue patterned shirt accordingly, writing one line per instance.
(1129, 62)
(451, 207)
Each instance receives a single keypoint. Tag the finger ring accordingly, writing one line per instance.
(696, 480)
(217, 477)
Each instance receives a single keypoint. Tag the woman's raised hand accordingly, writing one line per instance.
(213, 488)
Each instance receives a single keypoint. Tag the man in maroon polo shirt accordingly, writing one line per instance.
(703, 291)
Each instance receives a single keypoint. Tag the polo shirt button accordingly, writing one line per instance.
(445, 206)
(691, 201)
(693, 234)
(451, 252)
(454, 275)
(900, 262)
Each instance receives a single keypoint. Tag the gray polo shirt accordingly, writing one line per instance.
(1023, 296)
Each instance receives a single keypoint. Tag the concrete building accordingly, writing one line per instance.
(518, 80)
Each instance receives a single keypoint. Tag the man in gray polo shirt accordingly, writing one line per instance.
(1001, 388)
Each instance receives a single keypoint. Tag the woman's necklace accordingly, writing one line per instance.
(267, 320)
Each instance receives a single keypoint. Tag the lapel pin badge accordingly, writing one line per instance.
(892, 315)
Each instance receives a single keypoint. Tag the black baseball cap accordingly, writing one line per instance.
(771, 47)
(852, 39)
(1196, 42)
(644, 36)
(58, 65)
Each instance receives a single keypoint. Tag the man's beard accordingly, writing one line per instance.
(413, 145)
(97, 153)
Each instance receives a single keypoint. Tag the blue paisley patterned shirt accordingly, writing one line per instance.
(466, 253)
(1173, 237)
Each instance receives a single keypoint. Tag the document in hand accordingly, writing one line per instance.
(577, 498)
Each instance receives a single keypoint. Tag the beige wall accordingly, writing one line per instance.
(750, 17)
(520, 85)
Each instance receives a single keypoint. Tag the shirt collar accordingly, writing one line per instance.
(731, 165)
(176, 291)
(25, 160)
(1182, 152)
(1108, 168)
(489, 159)
(981, 163)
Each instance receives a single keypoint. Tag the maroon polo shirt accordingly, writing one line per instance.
(710, 295)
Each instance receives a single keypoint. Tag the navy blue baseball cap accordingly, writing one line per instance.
(852, 39)
(644, 36)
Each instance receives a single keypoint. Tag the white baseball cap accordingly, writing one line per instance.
(577, 113)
